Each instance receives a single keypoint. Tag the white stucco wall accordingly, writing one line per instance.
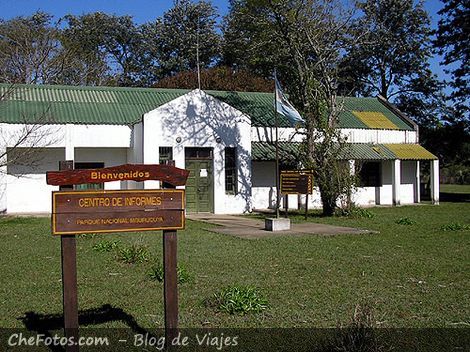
(268, 134)
(408, 182)
(264, 190)
(29, 192)
(199, 119)
(379, 136)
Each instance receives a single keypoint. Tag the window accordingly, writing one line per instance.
(370, 174)
(198, 153)
(166, 153)
(231, 170)
(89, 165)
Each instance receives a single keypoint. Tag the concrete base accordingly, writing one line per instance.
(281, 224)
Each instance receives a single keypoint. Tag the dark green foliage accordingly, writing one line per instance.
(393, 53)
(133, 254)
(456, 226)
(156, 273)
(31, 51)
(108, 45)
(355, 212)
(105, 246)
(392, 59)
(87, 236)
(405, 221)
(453, 42)
(171, 41)
(239, 300)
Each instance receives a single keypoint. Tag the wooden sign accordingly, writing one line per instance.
(141, 172)
(78, 212)
(297, 182)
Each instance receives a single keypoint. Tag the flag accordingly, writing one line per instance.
(285, 108)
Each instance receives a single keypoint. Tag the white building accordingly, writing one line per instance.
(223, 138)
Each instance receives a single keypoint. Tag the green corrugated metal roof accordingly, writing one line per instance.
(366, 151)
(349, 120)
(263, 151)
(266, 151)
(85, 105)
(410, 152)
(113, 105)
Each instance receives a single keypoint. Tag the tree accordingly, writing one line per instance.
(307, 39)
(173, 42)
(453, 41)
(31, 50)
(396, 48)
(219, 78)
(393, 59)
(107, 44)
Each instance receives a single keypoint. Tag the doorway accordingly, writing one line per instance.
(200, 183)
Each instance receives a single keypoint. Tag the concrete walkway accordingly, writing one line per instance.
(245, 227)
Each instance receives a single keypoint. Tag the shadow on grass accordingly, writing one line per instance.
(454, 197)
(48, 324)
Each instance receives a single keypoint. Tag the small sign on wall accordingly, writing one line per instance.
(203, 173)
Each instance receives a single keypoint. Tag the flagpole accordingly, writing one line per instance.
(276, 119)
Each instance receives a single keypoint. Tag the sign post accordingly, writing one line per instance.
(170, 288)
(69, 276)
(75, 212)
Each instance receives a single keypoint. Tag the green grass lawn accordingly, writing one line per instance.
(411, 275)
(455, 188)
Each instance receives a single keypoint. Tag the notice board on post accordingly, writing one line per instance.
(296, 182)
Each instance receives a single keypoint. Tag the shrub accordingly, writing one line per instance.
(359, 334)
(87, 236)
(455, 227)
(362, 213)
(157, 273)
(405, 221)
(105, 246)
(355, 212)
(239, 300)
(136, 253)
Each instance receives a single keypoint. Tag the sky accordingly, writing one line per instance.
(146, 10)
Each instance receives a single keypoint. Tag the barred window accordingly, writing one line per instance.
(231, 171)
(165, 154)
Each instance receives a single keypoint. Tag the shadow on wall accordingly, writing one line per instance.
(201, 124)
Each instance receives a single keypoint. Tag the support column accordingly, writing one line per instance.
(418, 183)
(396, 181)
(3, 181)
(69, 143)
(435, 181)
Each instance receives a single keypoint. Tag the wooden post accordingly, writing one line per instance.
(170, 288)
(69, 277)
(306, 206)
(286, 206)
